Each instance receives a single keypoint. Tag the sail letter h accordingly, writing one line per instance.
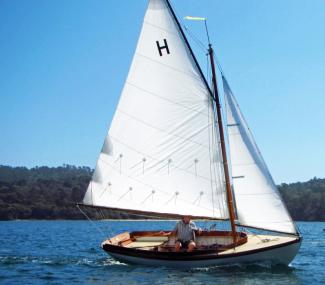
(160, 48)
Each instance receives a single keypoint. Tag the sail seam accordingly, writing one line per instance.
(159, 160)
(165, 99)
(191, 75)
(162, 29)
(163, 131)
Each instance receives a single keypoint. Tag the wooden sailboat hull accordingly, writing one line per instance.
(259, 249)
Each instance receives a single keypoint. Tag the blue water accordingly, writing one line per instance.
(68, 252)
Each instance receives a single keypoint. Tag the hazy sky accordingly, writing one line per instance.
(63, 64)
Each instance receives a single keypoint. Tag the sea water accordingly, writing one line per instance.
(68, 252)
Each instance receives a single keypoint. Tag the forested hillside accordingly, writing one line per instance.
(51, 193)
(42, 192)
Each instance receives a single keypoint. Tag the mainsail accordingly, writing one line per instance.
(258, 202)
(161, 154)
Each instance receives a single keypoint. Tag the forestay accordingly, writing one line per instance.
(258, 202)
(160, 154)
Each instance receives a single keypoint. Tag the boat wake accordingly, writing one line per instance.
(58, 261)
(253, 267)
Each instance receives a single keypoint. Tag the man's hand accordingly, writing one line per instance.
(199, 231)
(164, 233)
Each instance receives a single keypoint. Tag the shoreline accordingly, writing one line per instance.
(121, 220)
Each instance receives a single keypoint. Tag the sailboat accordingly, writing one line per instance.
(168, 153)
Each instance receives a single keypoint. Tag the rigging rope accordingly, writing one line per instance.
(219, 66)
(202, 46)
(211, 162)
(196, 40)
(92, 222)
(208, 67)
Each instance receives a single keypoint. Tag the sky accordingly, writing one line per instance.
(63, 65)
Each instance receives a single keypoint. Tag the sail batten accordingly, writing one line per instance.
(161, 141)
(258, 202)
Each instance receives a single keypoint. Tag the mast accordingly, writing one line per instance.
(215, 97)
(223, 147)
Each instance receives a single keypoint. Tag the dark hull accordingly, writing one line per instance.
(186, 256)
(281, 253)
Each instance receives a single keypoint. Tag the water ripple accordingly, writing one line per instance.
(68, 252)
